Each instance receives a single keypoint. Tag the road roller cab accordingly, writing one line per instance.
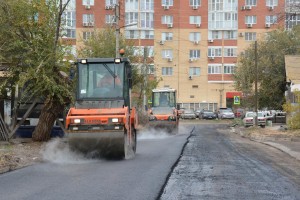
(102, 121)
(163, 113)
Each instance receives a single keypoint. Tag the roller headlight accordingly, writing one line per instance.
(115, 120)
(77, 121)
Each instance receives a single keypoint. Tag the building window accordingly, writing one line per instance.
(88, 18)
(147, 5)
(271, 2)
(229, 69)
(87, 35)
(131, 17)
(147, 20)
(194, 54)
(214, 69)
(230, 51)
(214, 51)
(195, 2)
(195, 86)
(167, 19)
(131, 5)
(147, 34)
(88, 2)
(250, 3)
(195, 36)
(192, 96)
(250, 36)
(250, 19)
(110, 2)
(230, 35)
(167, 53)
(292, 20)
(167, 71)
(194, 71)
(195, 19)
(71, 33)
(167, 2)
(131, 34)
(150, 51)
(109, 19)
(150, 69)
(215, 5)
(214, 34)
(167, 36)
(271, 19)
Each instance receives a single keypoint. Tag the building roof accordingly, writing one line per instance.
(292, 68)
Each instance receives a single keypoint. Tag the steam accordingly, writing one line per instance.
(57, 151)
(149, 134)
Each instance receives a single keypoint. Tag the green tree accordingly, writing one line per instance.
(271, 68)
(29, 35)
(293, 111)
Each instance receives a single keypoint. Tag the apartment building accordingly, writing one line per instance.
(193, 45)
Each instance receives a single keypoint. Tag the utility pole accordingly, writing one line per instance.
(256, 80)
(117, 18)
(145, 75)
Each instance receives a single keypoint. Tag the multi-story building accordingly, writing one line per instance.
(193, 44)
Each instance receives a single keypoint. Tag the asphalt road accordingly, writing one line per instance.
(64, 177)
(214, 164)
(217, 164)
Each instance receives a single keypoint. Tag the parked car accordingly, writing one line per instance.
(239, 112)
(248, 120)
(180, 111)
(188, 114)
(206, 114)
(225, 114)
(197, 112)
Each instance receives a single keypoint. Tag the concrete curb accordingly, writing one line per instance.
(278, 146)
(285, 149)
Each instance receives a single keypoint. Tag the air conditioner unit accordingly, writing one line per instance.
(191, 59)
(210, 40)
(211, 58)
(241, 34)
(85, 24)
(87, 7)
(243, 8)
(248, 7)
(267, 25)
(166, 7)
(170, 59)
(91, 23)
(271, 7)
(198, 25)
(107, 7)
(249, 25)
(196, 42)
(195, 7)
(161, 42)
(190, 78)
(170, 25)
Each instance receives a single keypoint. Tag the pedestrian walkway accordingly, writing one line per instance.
(281, 140)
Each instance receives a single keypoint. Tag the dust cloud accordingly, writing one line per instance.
(57, 151)
(150, 134)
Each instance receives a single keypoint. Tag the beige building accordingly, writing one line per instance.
(193, 44)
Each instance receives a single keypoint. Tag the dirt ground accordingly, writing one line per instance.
(20, 153)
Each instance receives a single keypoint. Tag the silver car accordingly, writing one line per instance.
(188, 114)
(225, 114)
